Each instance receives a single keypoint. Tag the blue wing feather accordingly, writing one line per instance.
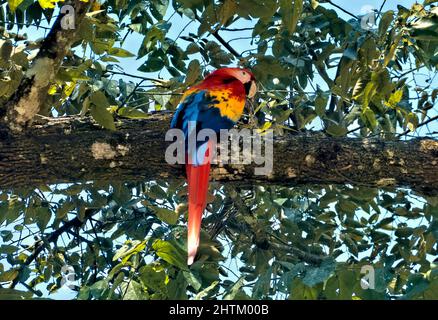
(201, 110)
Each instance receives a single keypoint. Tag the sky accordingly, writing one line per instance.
(356, 7)
(182, 26)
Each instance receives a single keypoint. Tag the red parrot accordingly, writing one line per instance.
(215, 103)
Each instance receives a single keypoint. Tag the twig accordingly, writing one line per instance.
(136, 76)
(409, 71)
(223, 42)
(420, 125)
(342, 9)
(305, 256)
(132, 93)
(381, 8)
(53, 237)
(355, 129)
(237, 29)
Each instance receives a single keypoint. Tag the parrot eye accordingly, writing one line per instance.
(228, 80)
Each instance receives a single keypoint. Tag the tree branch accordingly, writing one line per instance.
(420, 125)
(30, 97)
(160, 81)
(223, 42)
(51, 238)
(342, 9)
(73, 149)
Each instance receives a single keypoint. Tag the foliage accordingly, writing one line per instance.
(316, 71)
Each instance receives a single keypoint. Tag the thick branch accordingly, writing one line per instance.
(31, 94)
(73, 149)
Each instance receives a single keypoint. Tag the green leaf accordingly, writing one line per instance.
(314, 4)
(134, 291)
(65, 208)
(192, 48)
(404, 232)
(280, 201)
(154, 278)
(128, 249)
(394, 99)
(166, 215)
(347, 280)
(320, 105)
(98, 98)
(227, 10)
(153, 64)
(206, 291)
(6, 235)
(98, 288)
(132, 113)
(84, 293)
(170, 253)
(427, 35)
(336, 130)
(159, 8)
(13, 4)
(109, 59)
(370, 118)
(235, 289)
(119, 52)
(43, 216)
(8, 249)
(47, 4)
(102, 117)
(177, 288)
(9, 275)
(391, 54)
(192, 280)
(315, 275)
(156, 192)
(193, 72)
(347, 206)
(369, 92)
(12, 294)
(291, 12)
(299, 291)
(385, 22)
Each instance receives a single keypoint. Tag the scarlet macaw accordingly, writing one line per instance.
(215, 103)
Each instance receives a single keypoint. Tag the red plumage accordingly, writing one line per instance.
(197, 180)
(216, 103)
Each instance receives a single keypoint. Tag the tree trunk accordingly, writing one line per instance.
(73, 149)
(31, 94)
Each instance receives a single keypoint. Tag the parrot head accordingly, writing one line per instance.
(243, 75)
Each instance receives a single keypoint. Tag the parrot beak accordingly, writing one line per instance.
(250, 89)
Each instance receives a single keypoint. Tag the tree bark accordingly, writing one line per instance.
(31, 94)
(73, 149)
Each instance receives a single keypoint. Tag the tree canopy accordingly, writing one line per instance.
(323, 73)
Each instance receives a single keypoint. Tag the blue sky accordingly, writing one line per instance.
(356, 7)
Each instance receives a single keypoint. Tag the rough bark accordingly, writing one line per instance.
(74, 149)
(31, 94)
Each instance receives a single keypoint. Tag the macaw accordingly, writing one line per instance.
(215, 103)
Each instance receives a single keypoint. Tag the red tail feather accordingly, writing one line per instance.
(197, 179)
